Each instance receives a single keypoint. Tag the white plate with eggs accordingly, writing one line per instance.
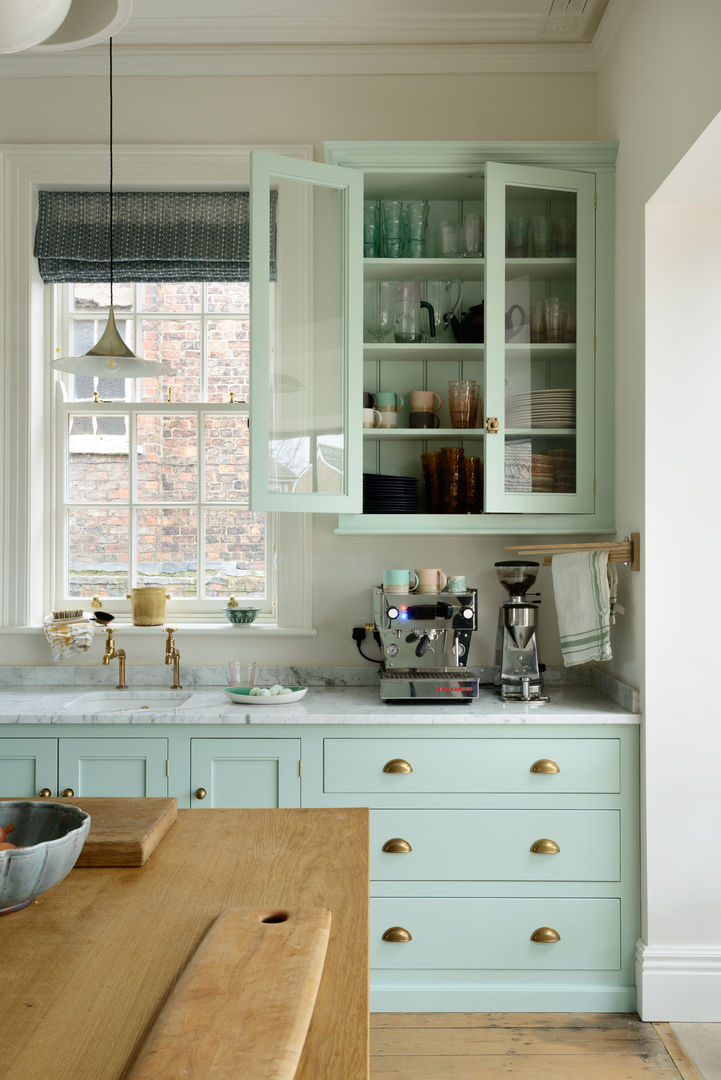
(265, 695)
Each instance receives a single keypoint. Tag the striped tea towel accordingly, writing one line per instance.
(66, 637)
(580, 586)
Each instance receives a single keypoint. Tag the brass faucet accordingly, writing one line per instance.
(172, 656)
(111, 653)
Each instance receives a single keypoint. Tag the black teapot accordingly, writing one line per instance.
(470, 328)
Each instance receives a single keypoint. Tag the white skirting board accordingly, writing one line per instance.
(678, 983)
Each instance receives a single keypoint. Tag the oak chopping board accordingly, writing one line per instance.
(123, 831)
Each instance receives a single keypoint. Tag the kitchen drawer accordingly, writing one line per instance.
(482, 933)
(495, 845)
(472, 765)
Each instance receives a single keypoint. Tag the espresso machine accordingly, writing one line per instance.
(425, 641)
(517, 645)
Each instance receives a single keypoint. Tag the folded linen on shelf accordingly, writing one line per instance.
(580, 587)
(66, 636)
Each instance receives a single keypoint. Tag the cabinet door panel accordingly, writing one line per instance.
(119, 767)
(27, 766)
(245, 773)
(306, 364)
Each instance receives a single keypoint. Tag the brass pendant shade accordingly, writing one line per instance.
(110, 356)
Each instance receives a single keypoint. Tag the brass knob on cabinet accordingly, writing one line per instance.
(397, 933)
(545, 765)
(545, 847)
(68, 793)
(45, 793)
(397, 846)
(201, 793)
(545, 935)
(398, 765)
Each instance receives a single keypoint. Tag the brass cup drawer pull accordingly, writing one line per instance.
(397, 765)
(545, 847)
(68, 793)
(397, 933)
(397, 846)
(545, 765)
(44, 793)
(201, 793)
(545, 935)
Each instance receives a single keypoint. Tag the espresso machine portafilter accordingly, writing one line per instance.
(517, 644)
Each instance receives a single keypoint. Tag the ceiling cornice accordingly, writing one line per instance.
(608, 28)
(183, 61)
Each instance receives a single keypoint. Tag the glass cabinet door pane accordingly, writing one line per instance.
(306, 373)
(540, 340)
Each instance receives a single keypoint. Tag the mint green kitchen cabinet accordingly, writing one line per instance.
(245, 773)
(504, 859)
(544, 429)
(28, 767)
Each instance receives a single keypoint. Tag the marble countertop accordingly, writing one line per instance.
(321, 705)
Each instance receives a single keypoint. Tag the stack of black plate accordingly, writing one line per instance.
(389, 494)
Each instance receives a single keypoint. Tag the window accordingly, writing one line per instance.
(154, 474)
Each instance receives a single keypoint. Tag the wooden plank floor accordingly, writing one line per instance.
(525, 1046)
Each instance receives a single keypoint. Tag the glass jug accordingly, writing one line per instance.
(408, 317)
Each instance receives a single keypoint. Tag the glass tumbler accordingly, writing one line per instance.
(392, 228)
(371, 229)
(463, 402)
(241, 673)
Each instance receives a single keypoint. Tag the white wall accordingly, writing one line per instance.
(311, 110)
(659, 87)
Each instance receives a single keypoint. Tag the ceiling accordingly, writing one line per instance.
(254, 37)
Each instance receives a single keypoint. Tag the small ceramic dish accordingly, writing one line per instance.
(241, 695)
(241, 614)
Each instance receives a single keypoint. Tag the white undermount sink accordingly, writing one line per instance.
(105, 701)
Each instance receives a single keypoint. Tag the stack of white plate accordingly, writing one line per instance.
(543, 408)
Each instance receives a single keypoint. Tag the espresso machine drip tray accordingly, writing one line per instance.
(422, 686)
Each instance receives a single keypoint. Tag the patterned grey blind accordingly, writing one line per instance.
(157, 236)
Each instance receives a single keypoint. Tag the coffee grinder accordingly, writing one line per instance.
(517, 648)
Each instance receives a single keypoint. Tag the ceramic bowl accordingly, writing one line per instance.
(241, 614)
(49, 838)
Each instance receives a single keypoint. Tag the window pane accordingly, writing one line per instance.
(234, 553)
(228, 359)
(167, 458)
(167, 545)
(230, 297)
(95, 296)
(98, 551)
(226, 458)
(173, 296)
(175, 342)
(98, 459)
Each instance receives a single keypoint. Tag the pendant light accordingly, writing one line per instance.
(111, 357)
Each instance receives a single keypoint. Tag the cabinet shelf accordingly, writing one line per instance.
(427, 350)
(416, 434)
(417, 269)
(541, 269)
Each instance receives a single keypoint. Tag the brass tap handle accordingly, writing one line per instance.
(397, 765)
(545, 847)
(45, 793)
(397, 933)
(201, 793)
(545, 935)
(68, 793)
(96, 603)
(170, 643)
(397, 846)
(545, 765)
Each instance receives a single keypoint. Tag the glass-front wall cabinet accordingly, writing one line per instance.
(485, 401)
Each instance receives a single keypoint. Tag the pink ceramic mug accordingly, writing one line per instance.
(425, 401)
(431, 581)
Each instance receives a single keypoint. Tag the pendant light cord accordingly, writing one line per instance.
(110, 97)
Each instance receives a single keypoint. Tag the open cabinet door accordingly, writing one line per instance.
(305, 350)
(540, 326)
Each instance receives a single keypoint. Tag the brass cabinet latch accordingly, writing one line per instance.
(492, 425)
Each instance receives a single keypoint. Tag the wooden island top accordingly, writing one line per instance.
(87, 967)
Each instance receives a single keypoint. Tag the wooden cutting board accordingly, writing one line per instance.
(123, 831)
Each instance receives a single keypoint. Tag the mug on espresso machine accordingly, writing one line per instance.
(425, 641)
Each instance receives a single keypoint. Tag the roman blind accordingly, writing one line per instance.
(157, 236)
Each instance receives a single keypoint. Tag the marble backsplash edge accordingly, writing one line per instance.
(46, 676)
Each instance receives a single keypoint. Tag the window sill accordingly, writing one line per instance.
(252, 629)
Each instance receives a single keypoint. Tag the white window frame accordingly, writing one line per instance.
(28, 335)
